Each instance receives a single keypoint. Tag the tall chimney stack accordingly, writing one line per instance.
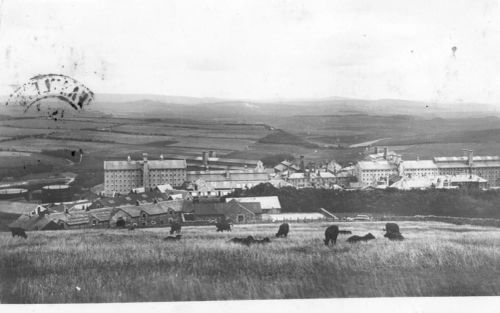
(205, 159)
(376, 150)
(386, 153)
(211, 154)
(302, 165)
(470, 159)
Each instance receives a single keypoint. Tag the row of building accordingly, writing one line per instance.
(385, 168)
(152, 209)
(379, 169)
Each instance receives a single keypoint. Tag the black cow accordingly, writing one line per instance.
(18, 232)
(262, 241)
(245, 241)
(250, 240)
(222, 226)
(331, 234)
(175, 227)
(172, 238)
(394, 236)
(365, 238)
(283, 230)
(391, 228)
(392, 232)
(345, 232)
(131, 228)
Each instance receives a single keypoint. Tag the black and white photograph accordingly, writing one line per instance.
(214, 151)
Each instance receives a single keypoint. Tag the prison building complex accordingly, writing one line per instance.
(123, 176)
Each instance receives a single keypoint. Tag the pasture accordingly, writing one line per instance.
(436, 259)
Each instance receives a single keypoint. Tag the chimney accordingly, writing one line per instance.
(386, 152)
(128, 158)
(161, 156)
(228, 174)
(205, 159)
(145, 157)
(470, 159)
(211, 154)
(376, 150)
(302, 166)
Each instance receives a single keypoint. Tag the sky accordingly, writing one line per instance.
(259, 49)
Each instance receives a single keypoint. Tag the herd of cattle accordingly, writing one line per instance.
(331, 233)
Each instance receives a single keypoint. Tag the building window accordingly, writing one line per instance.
(143, 215)
(241, 218)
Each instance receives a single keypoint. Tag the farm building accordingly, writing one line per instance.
(232, 210)
(151, 214)
(130, 199)
(268, 205)
(35, 222)
(293, 217)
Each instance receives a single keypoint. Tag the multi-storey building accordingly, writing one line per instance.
(123, 176)
(487, 167)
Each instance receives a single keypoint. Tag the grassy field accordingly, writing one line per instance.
(436, 259)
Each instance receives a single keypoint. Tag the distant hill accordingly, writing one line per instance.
(147, 105)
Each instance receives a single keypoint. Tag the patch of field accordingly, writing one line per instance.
(16, 131)
(10, 159)
(195, 130)
(436, 259)
(100, 136)
(44, 123)
(428, 151)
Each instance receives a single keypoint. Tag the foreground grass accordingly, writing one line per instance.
(437, 259)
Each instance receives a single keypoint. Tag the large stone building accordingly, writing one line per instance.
(123, 176)
(487, 167)
(373, 171)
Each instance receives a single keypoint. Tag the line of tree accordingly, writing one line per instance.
(462, 203)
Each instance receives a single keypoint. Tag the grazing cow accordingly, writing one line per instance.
(244, 241)
(175, 227)
(392, 232)
(131, 228)
(365, 238)
(222, 226)
(345, 232)
(262, 241)
(394, 236)
(250, 240)
(391, 228)
(283, 230)
(172, 238)
(18, 232)
(331, 234)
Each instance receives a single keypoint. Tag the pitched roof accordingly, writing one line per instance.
(376, 165)
(102, 215)
(254, 207)
(220, 176)
(419, 164)
(266, 203)
(137, 165)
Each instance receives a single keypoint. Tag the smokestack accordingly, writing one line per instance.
(376, 150)
(211, 154)
(386, 152)
(470, 159)
(145, 157)
(228, 174)
(205, 159)
(302, 166)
